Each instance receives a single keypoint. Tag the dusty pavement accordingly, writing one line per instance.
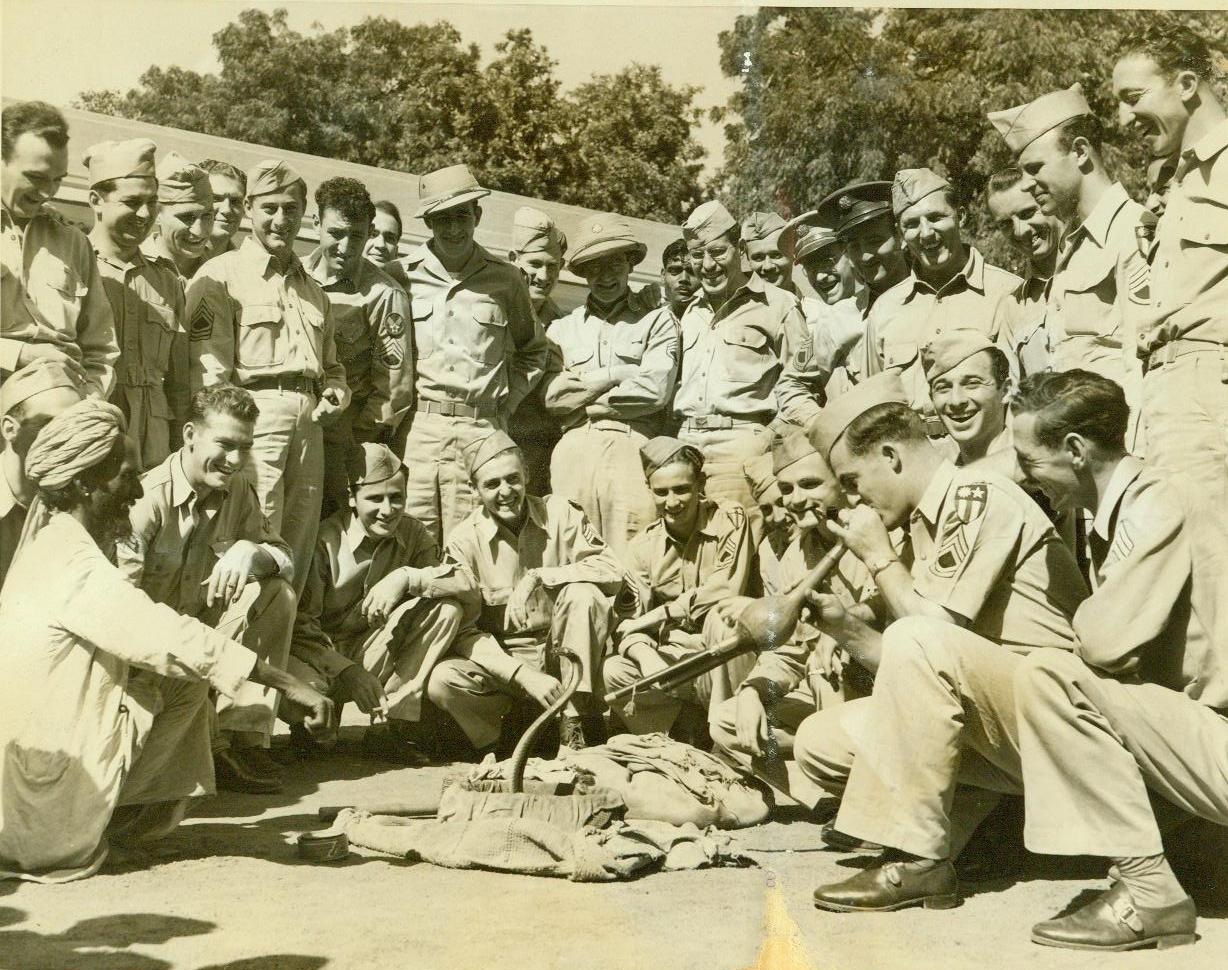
(228, 892)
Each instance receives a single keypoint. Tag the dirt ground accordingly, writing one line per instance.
(227, 891)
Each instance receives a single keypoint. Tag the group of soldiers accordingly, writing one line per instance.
(237, 484)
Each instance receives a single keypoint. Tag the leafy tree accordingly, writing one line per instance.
(416, 97)
(832, 95)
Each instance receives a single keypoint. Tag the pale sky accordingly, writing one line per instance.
(54, 49)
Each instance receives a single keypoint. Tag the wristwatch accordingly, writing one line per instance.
(876, 566)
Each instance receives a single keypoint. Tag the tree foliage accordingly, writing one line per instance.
(416, 97)
(831, 95)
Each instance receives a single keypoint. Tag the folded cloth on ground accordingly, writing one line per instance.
(658, 778)
(466, 800)
(535, 847)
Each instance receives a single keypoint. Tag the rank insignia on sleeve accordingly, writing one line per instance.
(202, 322)
(1123, 543)
(952, 552)
(970, 502)
(391, 350)
(805, 353)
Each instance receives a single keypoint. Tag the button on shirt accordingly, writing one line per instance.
(1189, 290)
(556, 539)
(627, 339)
(1023, 329)
(478, 341)
(981, 548)
(247, 319)
(371, 318)
(347, 564)
(912, 313)
(731, 357)
(147, 303)
(692, 575)
(178, 536)
(1151, 604)
(51, 293)
(1100, 291)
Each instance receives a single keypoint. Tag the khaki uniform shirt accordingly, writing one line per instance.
(832, 332)
(557, 541)
(713, 564)
(1189, 295)
(1023, 329)
(347, 564)
(65, 733)
(776, 672)
(979, 547)
(478, 341)
(731, 357)
(178, 537)
(1099, 292)
(51, 293)
(531, 423)
(147, 303)
(912, 313)
(12, 520)
(1151, 604)
(248, 320)
(371, 330)
(629, 337)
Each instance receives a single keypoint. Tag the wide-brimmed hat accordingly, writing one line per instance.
(446, 188)
(601, 234)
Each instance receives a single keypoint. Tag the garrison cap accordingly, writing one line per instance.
(601, 234)
(271, 176)
(534, 231)
(708, 222)
(911, 185)
(37, 376)
(371, 464)
(1022, 125)
(760, 225)
(758, 474)
(831, 422)
(857, 202)
(133, 158)
(952, 347)
(446, 188)
(484, 449)
(659, 451)
(791, 448)
(182, 181)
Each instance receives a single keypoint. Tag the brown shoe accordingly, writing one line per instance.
(833, 838)
(893, 885)
(231, 772)
(381, 743)
(1111, 921)
(259, 761)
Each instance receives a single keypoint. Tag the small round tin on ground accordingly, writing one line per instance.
(323, 846)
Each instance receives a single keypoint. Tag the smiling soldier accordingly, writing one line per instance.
(185, 216)
(258, 320)
(1100, 289)
(969, 382)
(229, 186)
(146, 297)
(371, 320)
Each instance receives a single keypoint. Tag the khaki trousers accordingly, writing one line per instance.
(599, 469)
(726, 451)
(653, 710)
(438, 492)
(921, 762)
(288, 456)
(472, 688)
(339, 439)
(393, 653)
(1092, 746)
(785, 716)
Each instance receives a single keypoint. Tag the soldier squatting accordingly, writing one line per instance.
(238, 485)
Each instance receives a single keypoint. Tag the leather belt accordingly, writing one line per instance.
(295, 383)
(1173, 350)
(450, 410)
(715, 422)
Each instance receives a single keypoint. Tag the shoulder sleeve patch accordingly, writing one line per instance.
(202, 322)
(970, 502)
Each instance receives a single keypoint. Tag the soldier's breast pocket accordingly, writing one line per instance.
(425, 338)
(489, 344)
(261, 340)
(629, 347)
(57, 290)
(748, 353)
(157, 333)
(1089, 292)
(900, 355)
